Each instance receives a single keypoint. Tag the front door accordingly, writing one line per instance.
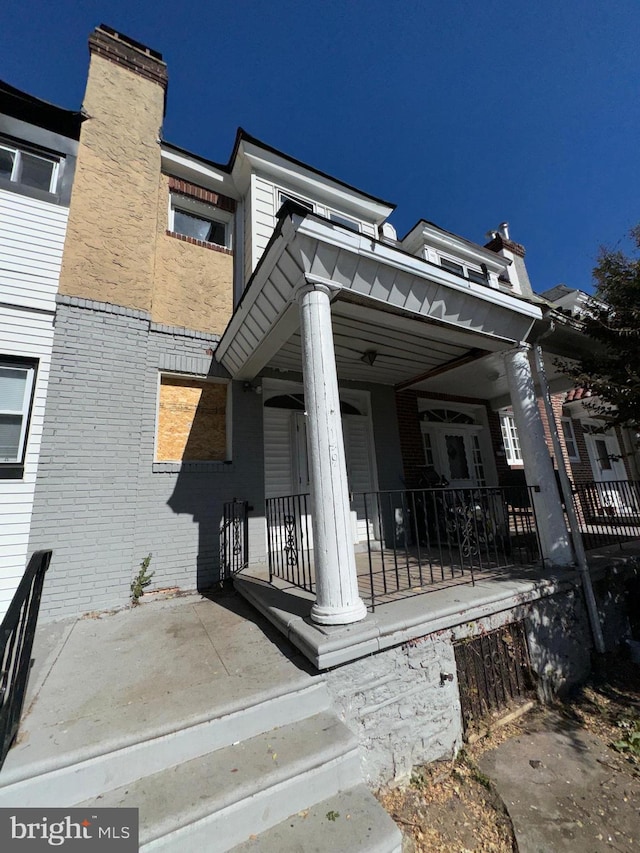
(608, 470)
(455, 453)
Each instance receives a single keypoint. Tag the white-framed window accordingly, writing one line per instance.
(16, 395)
(28, 169)
(475, 274)
(200, 221)
(570, 439)
(510, 439)
(346, 221)
(285, 196)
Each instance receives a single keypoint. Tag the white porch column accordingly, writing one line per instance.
(538, 468)
(337, 598)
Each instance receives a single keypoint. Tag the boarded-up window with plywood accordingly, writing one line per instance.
(192, 420)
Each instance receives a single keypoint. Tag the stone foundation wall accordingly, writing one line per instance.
(405, 710)
(401, 710)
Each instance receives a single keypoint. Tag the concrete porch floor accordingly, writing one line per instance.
(101, 683)
(417, 611)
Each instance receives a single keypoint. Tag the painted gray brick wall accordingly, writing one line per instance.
(100, 502)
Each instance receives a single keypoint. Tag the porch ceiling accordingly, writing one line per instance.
(418, 318)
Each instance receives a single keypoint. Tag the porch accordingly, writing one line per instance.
(431, 559)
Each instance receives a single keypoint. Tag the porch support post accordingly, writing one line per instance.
(538, 468)
(337, 598)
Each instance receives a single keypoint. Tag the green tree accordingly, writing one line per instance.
(611, 369)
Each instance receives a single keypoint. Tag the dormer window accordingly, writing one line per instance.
(451, 266)
(478, 276)
(28, 169)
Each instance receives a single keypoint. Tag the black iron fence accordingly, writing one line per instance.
(16, 641)
(234, 538)
(608, 513)
(420, 537)
(412, 538)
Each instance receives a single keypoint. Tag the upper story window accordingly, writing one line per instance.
(333, 215)
(479, 276)
(284, 197)
(28, 169)
(344, 220)
(200, 221)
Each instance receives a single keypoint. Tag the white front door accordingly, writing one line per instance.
(287, 463)
(608, 470)
(455, 453)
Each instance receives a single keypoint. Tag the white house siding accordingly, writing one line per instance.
(264, 206)
(31, 241)
(264, 215)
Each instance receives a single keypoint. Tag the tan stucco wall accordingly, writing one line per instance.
(193, 285)
(109, 249)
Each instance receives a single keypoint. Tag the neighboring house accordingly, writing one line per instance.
(38, 145)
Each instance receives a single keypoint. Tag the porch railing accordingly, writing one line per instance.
(16, 642)
(234, 538)
(410, 539)
(290, 540)
(421, 537)
(608, 513)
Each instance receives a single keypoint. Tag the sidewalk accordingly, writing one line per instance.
(565, 790)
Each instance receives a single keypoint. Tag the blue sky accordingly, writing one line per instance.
(464, 112)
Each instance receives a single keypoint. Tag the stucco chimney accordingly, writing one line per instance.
(113, 214)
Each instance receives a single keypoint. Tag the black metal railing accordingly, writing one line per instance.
(290, 540)
(608, 513)
(413, 538)
(420, 537)
(16, 642)
(234, 538)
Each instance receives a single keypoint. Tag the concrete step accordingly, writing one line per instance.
(352, 821)
(218, 800)
(62, 778)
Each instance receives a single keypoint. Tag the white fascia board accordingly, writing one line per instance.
(180, 165)
(321, 189)
(383, 253)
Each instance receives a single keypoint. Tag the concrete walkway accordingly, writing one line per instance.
(564, 790)
(110, 679)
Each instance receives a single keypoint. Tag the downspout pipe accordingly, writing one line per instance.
(567, 493)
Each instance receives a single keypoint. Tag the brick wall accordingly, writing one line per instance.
(101, 503)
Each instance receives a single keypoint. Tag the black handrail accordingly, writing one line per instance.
(16, 642)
